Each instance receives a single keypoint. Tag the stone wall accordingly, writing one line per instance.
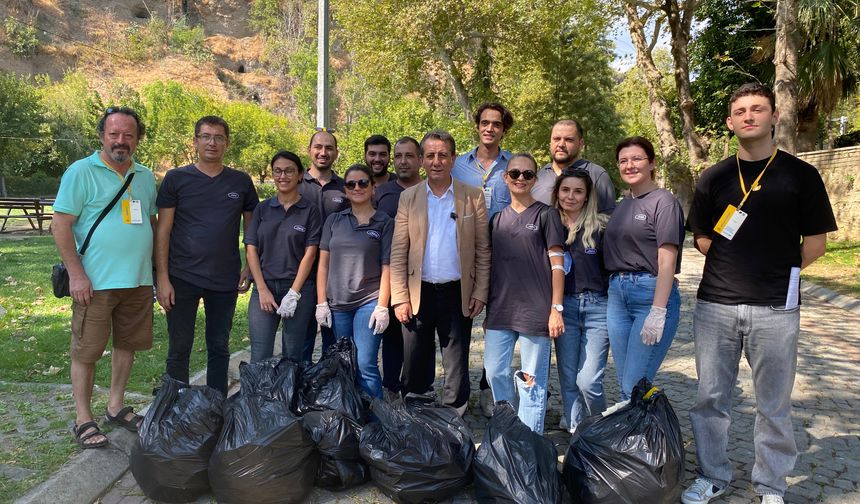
(840, 169)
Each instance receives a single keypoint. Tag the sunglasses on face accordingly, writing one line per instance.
(362, 183)
(515, 174)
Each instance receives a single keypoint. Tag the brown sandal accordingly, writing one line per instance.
(87, 431)
(120, 420)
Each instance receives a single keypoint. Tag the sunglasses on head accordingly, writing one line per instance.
(576, 172)
(362, 183)
(515, 174)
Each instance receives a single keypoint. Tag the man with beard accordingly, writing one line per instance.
(320, 183)
(109, 261)
(197, 250)
(407, 162)
(565, 149)
(377, 155)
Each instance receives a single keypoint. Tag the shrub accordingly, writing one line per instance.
(189, 40)
(847, 140)
(36, 185)
(22, 39)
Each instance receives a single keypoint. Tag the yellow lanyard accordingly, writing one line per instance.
(755, 184)
(122, 179)
(486, 171)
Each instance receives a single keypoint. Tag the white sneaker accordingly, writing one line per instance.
(487, 403)
(772, 499)
(700, 492)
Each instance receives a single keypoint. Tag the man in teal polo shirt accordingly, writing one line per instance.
(111, 285)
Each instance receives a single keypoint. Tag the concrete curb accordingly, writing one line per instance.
(840, 300)
(91, 473)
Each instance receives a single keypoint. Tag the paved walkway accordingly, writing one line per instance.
(826, 409)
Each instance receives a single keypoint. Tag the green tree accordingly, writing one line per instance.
(255, 136)
(20, 125)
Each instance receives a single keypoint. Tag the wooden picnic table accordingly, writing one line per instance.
(34, 210)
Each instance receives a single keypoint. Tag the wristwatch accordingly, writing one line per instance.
(558, 307)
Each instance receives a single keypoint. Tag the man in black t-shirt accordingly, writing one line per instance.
(377, 156)
(197, 250)
(759, 217)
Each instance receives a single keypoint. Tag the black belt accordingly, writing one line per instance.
(442, 286)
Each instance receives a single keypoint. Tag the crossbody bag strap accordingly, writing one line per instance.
(104, 213)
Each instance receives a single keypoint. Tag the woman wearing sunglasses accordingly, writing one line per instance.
(526, 294)
(281, 245)
(353, 277)
(582, 350)
(642, 250)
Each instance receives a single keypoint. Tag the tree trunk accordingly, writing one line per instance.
(807, 128)
(785, 80)
(455, 77)
(679, 26)
(678, 175)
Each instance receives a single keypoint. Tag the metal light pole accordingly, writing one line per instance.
(322, 65)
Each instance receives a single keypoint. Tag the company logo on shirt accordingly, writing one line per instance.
(591, 251)
(233, 195)
(337, 199)
(373, 234)
(639, 216)
(299, 228)
(533, 227)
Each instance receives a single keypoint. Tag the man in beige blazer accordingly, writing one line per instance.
(440, 271)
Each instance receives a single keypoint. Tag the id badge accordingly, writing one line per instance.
(488, 196)
(131, 212)
(730, 222)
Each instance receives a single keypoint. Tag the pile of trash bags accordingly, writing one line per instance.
(514, 464)
(631, 455)
(290, 427)
(170, 459)
(418, 451)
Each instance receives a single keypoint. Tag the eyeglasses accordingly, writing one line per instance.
(206, 138)
(362, 183)
(576, 172)
(324, 130)
(632, 161)
(515, 174)
(284, 173)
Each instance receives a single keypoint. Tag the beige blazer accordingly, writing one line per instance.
(410, 236)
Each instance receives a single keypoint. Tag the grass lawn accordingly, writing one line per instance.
(839, 269)
(35, 331)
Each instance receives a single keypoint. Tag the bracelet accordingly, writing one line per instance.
(558, 267)
(555, 254)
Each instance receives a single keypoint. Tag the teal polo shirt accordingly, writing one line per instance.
(119, 255)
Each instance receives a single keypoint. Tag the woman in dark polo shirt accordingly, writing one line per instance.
(353, 279)
(582, 350)
(642, 251)
(281, 245)
(526, 294)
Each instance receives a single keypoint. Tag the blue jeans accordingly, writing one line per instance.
(262, 325)
(534, 356)
(630, 298)
(352, 324)
(581, 354)
(767, 336)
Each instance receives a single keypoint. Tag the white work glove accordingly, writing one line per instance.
(288, 304)
(323, 314)
(378, 319)
(652, 329)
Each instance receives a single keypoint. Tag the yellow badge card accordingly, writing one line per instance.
(730, 222)
(131, 212)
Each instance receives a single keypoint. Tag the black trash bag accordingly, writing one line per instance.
(170, 459)
(633, 455)
(330, 384)
(336, 438)
(276, 378)
(417, 452)
(515, 464)
(264, 454)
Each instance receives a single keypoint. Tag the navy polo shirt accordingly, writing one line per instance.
(330, 198)
(356, 255)
(281, 236)
(387, 197)
(204, 241)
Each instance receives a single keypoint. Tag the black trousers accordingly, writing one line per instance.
(441, 313)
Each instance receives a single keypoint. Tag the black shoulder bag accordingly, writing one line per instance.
(59, 274)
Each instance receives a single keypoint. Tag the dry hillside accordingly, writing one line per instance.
(83, 34)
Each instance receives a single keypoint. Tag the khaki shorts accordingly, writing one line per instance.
(125, 312)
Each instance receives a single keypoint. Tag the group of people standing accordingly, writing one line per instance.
(393, 261)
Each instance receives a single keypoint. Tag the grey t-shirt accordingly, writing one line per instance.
(542, 190)
(638, 227)
(520, 271)
(281, 237)
(356, 255)
(204, 241)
